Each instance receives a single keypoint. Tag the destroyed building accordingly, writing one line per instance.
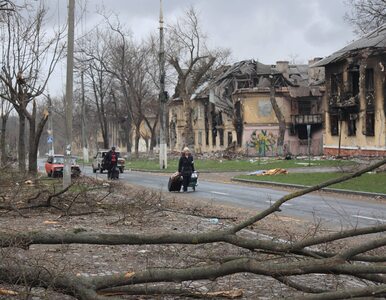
(233, 109)
(355, 98)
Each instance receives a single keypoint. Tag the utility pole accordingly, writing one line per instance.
(69, 94)
(163, 155)
(84, 131)
(50, 127)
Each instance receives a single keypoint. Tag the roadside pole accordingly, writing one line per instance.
(84, 131)
(69, 94)
(163, 155)
(50, 139)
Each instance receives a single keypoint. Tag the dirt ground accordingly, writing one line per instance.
(123, 208)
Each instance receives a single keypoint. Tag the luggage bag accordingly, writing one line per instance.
(175, 182)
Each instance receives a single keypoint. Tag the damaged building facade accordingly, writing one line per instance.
(355, 98)
(234, 110)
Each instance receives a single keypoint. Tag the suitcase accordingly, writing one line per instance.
(174, 184)
(114, 173)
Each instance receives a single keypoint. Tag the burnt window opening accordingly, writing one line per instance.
(352, 125)
(336, 82)
(334, 124)
(354, 82)
(369, 80)
(221, 132)
(206, 122)
(230, 137)
(304, 107)
(238, 123)
(370, 123)
(214, 135)
(302, 132)
(369, 89)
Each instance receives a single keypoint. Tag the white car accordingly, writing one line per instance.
(97, 163)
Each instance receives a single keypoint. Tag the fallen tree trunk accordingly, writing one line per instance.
(278, 259)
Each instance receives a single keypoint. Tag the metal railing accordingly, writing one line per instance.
(307, 119)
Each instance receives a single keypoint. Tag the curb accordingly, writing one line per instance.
(290, 185)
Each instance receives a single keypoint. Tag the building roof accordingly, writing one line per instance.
(373, 40)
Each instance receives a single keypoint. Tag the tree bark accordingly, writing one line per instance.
(32, 150)
(280, 117)
(34, 138)
(3, 152)
(21, 142)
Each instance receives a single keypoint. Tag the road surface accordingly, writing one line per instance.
(331, 209)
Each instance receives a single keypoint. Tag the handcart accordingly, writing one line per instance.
(193, 181)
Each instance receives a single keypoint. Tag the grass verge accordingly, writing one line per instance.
(370, 182)
(211, 165)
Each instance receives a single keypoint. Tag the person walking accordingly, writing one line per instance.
(111, 160)
(186, 167)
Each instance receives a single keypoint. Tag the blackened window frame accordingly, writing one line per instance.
(334, 124)
(370, 109)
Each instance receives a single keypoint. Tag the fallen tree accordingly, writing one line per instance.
(284, 261)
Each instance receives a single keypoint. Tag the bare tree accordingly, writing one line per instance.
(280, 260)
(192, 60)
(118, 66)
(92, 57)
(29, 58)
(366, 15)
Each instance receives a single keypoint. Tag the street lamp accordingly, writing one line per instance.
(163, 157)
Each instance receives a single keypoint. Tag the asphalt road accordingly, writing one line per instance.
(334, 210)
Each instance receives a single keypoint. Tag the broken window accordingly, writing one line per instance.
(206, 124)
(238, 123)
(351, 125)
(230, 137)
(354, 81)
(370, 123)
(302, 132)
(369, 89)
(369, 80)
(221, 132)
(304, 107)
(214, 135)
(334, 124)
(336, 82)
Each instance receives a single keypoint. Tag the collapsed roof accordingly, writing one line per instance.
(220, 88)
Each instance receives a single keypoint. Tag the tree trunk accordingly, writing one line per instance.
(3, 153)
(105, 133)
(21, 147)
(128, 136)
(137, 138)
(32, 150)
(188, 133)
(279, 116)
(34, 138)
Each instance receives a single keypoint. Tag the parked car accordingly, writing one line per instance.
(97, 163)
(55, 164)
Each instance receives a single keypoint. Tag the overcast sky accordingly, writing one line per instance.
(267, 31)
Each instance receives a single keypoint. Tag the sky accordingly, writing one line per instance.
(267, 31)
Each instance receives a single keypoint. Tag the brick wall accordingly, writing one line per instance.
(353, 152)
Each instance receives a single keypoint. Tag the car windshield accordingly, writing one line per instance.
(58, 160)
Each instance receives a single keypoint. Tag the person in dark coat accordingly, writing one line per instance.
(186, 167)
(111, 162)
